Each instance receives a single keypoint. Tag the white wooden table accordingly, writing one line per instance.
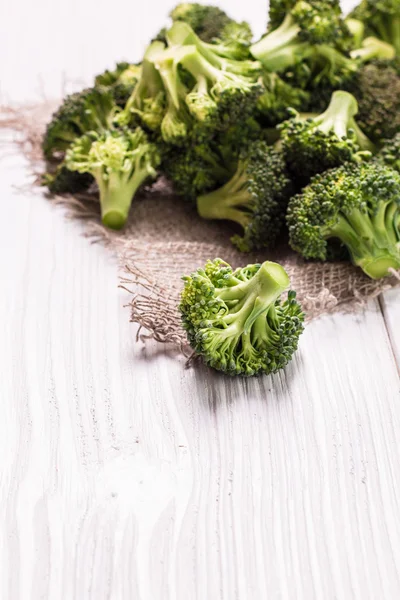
(123, 475)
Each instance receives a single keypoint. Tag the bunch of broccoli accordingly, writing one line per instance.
(294, 136)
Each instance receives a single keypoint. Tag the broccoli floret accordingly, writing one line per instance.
(121, 81)
(377, 90)
(324, 141)
(278, 9)
(64, 181)
(357, 204)
(305, 25)
(236, 321)
(93, 109)
(389, 154)
(255, 198)
(273, 104)
(235, 40)
(120, 162)
(208, 22)
(381, 19)
(147, 102)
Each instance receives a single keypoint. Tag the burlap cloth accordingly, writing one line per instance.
(165, 238)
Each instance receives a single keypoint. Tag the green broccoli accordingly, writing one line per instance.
(357, 31)
(64, 181)
(278, 10)
(273, 104)
(381, 19)
(120, 162)
(121, 81)
(373, 49)
(324, 141)
(236, 321)
(147, 102)
(376, 88)
(255, 198)
(208, 22)
(92, 109)
(357, 204)
(389, 154)
(305, 26)
(235, 40)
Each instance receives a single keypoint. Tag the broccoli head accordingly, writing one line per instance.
(235, 40)
(381, 19)
(120, 162)
(278, 9)
(389, 154)
(64, 181)
(304, 25)
(121, 81)
(255, 198)
(357, 204)
(273, 104)
(235, 319)
(377, 90)
(92, 109)
(324, 141)
(208, 22)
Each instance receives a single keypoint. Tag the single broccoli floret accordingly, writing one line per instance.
(381, 19)
(389, 154)
(121, 81)
(255, 198)
(377, 90)
(324, 141)
(236, 321)
(357, 204)
(305, 25)
(208, 22)
(120, 162)
(373, 49)
(64, 181)
(147, 102)
(93, 109)
(273, 104)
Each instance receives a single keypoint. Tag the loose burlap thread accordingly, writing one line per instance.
(164, 238)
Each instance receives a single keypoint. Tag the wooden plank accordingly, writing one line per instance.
(390, 304)
(123, 475)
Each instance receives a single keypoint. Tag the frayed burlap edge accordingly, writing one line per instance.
(164, 239)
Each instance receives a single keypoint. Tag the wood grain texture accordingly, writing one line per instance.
(125, 475)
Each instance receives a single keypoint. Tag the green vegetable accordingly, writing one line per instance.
(93, 109)
(235, 319)
(255, 198)
(357, 204)
(324, 141)
(120, 162)
(381, 19)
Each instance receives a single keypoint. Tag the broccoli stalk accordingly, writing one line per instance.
(357, 30)
(147, 100)
(373, 49)
(357, 204)
(324, 141)
(120, 162)
(235, 320)
(381, 19)
(305, 26)
(255, 198)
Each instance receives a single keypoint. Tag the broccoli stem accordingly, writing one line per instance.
(372, 241)
(116, 193)
(372, 48)
(340, 112)
(232, 201)
(276, 41)
(257, 298)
